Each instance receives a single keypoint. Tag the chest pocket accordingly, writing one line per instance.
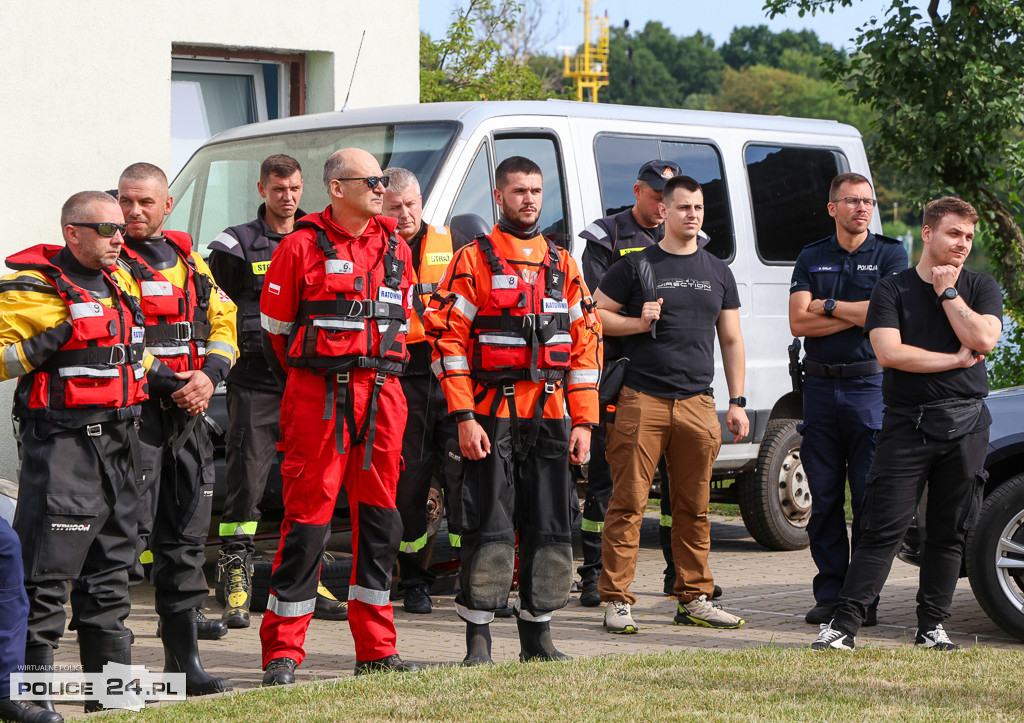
(861, 286)
(340, 277)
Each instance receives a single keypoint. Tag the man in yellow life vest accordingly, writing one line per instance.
(430, 432)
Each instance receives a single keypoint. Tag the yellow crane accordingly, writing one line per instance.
(589, 69)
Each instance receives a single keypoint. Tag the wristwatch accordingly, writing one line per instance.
(947, 294)
(829, 306)
(739, 401)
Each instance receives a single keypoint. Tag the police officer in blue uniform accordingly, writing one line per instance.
(832, 283)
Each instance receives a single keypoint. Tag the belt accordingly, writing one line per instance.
(841, 371)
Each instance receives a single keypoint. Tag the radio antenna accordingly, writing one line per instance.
(354, 66)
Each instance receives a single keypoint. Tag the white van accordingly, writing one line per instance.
(765, 180)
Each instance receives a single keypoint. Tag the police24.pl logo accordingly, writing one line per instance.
(128, 687)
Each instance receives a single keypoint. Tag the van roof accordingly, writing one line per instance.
(470, 114)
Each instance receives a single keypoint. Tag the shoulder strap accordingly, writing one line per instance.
(645, 274)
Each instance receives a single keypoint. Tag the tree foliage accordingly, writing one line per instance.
(759, 45)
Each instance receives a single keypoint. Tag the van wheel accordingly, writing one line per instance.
(995, 556)
(774, 498)
(334, 575)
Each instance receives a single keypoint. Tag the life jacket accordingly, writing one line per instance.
(177, 325)
(522, 330)
(435, 254)
(98, 374)
(338, 328)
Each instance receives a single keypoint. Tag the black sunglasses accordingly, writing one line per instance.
(104, 228)
(371, 181)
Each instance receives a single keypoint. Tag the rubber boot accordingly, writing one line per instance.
(181, 654)
(96, 649)
(535, 641)
(478, 644)
(39, 659)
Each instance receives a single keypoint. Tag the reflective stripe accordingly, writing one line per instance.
(504, 281)
(89, 372)
(666, 520)
(454, 540)
(591, 525)
(477, 617)
(138, 370)
(449, 364)
(356, 324)
(502, 340)
(226, 240)
(290, 609)
(223, 347)
(383, 324)
(526, 615)
(146, 557)
(339, 266)
(13, 362)
(465, 307)
(228, 529)
(415, 545)
(596, 230)
(273, 326)
(168, 350)
(559, 338)
(576, 311)
(380, 598)
(85, 310)
(156, 288)
(584, 376)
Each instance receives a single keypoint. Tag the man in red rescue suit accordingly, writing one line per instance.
(430, 431)
(517, 350)
(190, 327)
(73, 338)
(333, 307)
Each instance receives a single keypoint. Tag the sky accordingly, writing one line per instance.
(716, 18)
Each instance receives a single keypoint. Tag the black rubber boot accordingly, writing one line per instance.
(478, 644)
(39, 659)
(181, 654)
(535, 642)
(96, 649)
(24, 712)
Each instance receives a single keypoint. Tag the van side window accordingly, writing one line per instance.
(475, 196)
(542, 150)
(620, 157)
(789, 192)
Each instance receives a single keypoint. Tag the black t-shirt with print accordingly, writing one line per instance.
(907, 302)
(680, 362)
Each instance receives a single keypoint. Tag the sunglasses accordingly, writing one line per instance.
(371, 181)
(104, 228)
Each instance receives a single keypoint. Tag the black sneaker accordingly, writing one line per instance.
(821, 612)
(830, 638)
(280, 671)
(417, 600)
(936, 639)
(589, 597)
(389, 664)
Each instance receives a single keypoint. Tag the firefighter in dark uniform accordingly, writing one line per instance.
(73, 338)
(828, 302)
(430, 429)
(517, 348)
(239, 259)
(190, 327)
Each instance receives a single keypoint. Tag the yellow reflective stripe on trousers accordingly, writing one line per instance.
(146, 557)
(379, 598)
(592, 526)
(290, 609)
(228, 529)
(415, 545)
(666, 520)
(454, 540)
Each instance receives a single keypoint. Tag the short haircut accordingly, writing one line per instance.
(334, 167)
(402, 179)
(514, 164)
(76, 207)
(142, 172)
(938, 209)
(279, 165)
(684, 182)
(844, 178)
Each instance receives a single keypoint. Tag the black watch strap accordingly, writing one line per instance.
(738, 401)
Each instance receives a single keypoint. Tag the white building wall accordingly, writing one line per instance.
(86, 88)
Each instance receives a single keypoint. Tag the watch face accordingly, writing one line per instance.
(829, 305)
(949, 293)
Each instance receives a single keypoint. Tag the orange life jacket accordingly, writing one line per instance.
(435, 254)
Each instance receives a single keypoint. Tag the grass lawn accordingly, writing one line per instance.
(769, 683)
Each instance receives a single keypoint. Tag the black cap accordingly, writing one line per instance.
(656, 173)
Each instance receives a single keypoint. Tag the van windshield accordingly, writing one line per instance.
(217, 187)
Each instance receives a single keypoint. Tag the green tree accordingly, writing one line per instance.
(759, 45)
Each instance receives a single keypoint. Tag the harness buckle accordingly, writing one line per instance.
(343, 378)
(118, 354)
(184, 330)
(549, 387)
(508, 390)
(380, 378)
(94, 430)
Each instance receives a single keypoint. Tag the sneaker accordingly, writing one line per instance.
(417, 600)
(589, 597)
(830, 638)
(327, 606)
(935, 638)
(280, 671)
(707, 614)
(234, 577)
(618, 618)
(821, 612)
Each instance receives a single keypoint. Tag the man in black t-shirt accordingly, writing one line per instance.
(667, 398)
(930, 327)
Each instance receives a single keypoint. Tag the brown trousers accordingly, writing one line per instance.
(687, 433)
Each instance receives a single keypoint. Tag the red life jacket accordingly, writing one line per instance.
(177, 325)
(522, 330)
(338, 328)
(98, 374)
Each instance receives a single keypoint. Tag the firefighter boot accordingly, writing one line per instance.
(327, 606)
(478, 644)
(535, 641)
(39, 659)
(96, 649)
(234, 578)
(181, 654)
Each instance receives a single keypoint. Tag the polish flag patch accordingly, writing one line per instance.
(223, 297)
(274, 289)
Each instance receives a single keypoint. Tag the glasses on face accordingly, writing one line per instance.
(854, 201)
(104, 228)
(371, 181)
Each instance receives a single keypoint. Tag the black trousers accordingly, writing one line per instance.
(502, 495)
(174, 517)
(428, 432)
(77, 520)
(905, 463)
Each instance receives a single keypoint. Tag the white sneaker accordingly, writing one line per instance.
(618, 618)
(705, 613)
(935, 639)
(830, 638)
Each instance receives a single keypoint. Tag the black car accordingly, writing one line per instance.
(994, 556)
